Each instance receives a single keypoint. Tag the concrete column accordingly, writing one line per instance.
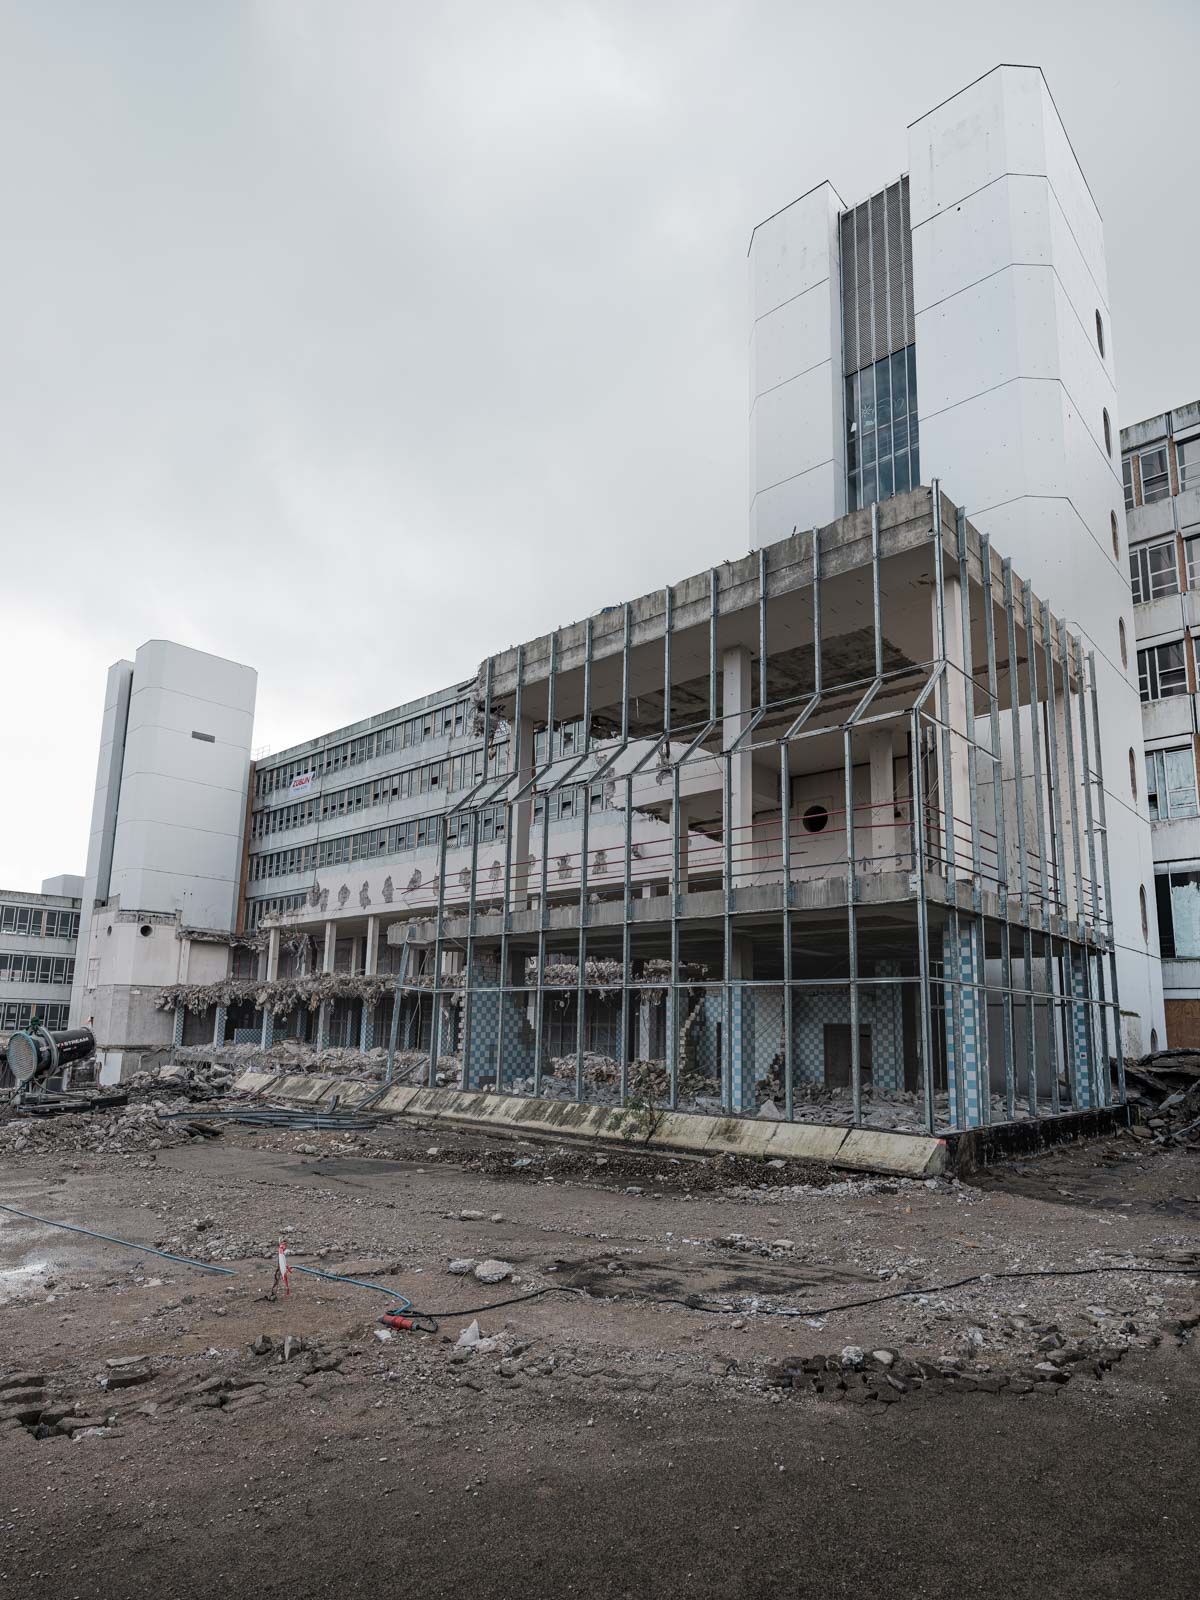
(645, 1023)
(960, 797)
(177, 1028)
(736, 705)
(743, 1093)
(219, 1025)
(273, 955)
(882, 846)
(371, 949)
(684, 812)
(366, 1026)
(185, 959)
(268, 1029)
(330, 954)
(323, 1025)
(520, 821)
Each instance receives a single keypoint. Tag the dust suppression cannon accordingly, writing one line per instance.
(35, 1055)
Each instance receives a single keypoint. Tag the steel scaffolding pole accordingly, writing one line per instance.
(1118, 1040)
(543, 908)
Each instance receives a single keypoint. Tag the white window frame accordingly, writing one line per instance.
(1187, 469)
(1153, 449)
(1147, 584)
(1151, 673)
(1172, 796)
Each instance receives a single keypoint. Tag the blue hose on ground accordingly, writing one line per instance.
(204, 1266)
(400, 1303)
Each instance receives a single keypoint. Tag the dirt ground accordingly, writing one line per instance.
(685, 1413)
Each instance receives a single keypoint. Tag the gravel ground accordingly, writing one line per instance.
(650, 1426)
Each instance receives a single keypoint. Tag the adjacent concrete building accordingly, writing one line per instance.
(38, 937)
(1160, 460)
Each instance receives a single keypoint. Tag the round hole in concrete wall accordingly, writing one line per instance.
(145, 930)
(815, 819)
(1153, 1041)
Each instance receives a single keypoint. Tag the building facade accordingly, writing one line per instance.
(38, 937)
(1160, 461)
(956, 325)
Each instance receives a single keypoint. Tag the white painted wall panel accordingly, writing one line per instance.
(792, 429)
(182, 809)
(802, 502)
(797, 450)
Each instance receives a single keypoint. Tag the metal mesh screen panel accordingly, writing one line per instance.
(876, 277)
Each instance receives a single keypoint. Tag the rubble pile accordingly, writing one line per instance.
(187, 1081)
(131, 1130)
(291, 1056)
(883, 1376)
(1166, 1088)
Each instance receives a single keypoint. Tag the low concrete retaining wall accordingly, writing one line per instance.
(908, 1155)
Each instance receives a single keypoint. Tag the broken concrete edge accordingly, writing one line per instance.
(1002, 1141)
(908, 1155)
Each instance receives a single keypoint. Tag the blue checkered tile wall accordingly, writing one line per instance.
(1080, 1085)
(963, 1001)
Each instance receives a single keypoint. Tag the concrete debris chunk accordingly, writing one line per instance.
(461, 1267)
(494, 1271)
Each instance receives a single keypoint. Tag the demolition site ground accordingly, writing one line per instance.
(679, 1412)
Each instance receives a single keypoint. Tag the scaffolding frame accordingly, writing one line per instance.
(996, 887)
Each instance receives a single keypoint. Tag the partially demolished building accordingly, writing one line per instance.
(822, 827)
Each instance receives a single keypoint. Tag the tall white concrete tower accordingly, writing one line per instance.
(168, 826)
(956, 325)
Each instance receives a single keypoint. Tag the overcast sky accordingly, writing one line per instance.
(356, 339)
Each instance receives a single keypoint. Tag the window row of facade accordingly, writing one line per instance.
(16, 966)
(418, 833)
(447, 776)
(1163, 670)
(1147, 473)
(1171, 783)
(1155, 569)
(1177, 893)
(451, 720)
(882, 446)
(16, 1014)
(39, 922)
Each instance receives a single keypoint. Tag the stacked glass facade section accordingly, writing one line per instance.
(882, 444)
